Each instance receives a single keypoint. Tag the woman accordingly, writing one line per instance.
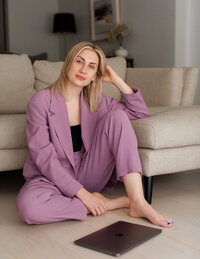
(76, 137)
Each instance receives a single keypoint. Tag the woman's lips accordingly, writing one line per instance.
(80, 77)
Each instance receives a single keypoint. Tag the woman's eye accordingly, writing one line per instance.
(92, 67)
(79, 61)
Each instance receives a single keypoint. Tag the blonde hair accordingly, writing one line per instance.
(93, 91)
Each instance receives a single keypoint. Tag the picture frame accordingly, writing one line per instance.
(104, 15)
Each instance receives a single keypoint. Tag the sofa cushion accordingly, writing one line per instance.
(159, 86)
(16, 84)
(12, 159)
(47, 73)
(174, 127)
(12, 131)
(169, 160)
(40, 56)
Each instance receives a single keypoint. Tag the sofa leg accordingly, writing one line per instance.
(148, 186)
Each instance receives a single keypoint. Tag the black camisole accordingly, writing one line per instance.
(76, 137)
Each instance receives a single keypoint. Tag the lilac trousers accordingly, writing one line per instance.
(112, 154)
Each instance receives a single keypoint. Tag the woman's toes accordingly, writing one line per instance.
(168, 224)
(168, 220)
(164, 222)
(145, 210)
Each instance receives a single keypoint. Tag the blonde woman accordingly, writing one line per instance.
(80, 143)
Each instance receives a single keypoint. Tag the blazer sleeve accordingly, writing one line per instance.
(133, 105)
(42, 150)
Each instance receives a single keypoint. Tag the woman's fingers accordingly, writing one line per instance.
(93, 203)
(98, 209)
(101, 210)
(94, 213)
(108, 74)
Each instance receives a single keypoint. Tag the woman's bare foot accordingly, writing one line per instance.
(143, 209)
(116, 203)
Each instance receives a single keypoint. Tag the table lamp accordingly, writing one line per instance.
(63, 23)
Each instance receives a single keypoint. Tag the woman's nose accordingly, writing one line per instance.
(84, 69)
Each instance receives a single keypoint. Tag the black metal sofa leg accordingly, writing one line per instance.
(148, 186)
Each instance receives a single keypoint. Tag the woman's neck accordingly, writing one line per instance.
(72, 93)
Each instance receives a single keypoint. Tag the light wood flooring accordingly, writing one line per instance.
(176, 195)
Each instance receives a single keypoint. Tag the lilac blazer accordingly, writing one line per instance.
(49, 136)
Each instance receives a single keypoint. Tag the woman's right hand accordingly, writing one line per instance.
(94, 204)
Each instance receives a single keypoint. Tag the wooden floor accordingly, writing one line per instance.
(176, 195)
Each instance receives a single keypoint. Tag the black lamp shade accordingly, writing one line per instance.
(64, 22)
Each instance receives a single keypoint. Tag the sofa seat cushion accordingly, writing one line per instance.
(12, 159)
(169, 160)
(17, 83)
(46, 73)
(12, 131)
(169, 128)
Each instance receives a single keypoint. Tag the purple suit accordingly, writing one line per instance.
(54, 173)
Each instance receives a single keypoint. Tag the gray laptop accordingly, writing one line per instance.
(118, 238)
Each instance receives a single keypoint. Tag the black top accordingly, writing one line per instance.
(76, 137)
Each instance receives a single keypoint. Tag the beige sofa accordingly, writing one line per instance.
(169, 140)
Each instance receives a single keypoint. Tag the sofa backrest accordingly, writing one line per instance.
(19, 80)
(164, 86)
(16, 83)
(46, 73)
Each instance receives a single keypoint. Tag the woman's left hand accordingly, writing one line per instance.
(110, 75)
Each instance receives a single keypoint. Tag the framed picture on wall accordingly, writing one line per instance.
(104, 15)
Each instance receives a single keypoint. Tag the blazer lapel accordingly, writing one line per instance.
(61, 124)
(88, 122)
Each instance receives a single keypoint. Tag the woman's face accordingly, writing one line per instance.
(84, 68)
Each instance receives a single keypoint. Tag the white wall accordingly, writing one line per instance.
(194, 59)
(82, 16)
(182, 32)
(81, 10)
(151, 42)
(164, 33)
(187, 40)
(30, 26)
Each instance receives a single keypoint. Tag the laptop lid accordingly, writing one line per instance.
(118, 238)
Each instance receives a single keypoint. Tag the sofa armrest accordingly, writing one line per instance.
(190, 80)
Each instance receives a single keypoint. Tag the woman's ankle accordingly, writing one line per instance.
(136, 201)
